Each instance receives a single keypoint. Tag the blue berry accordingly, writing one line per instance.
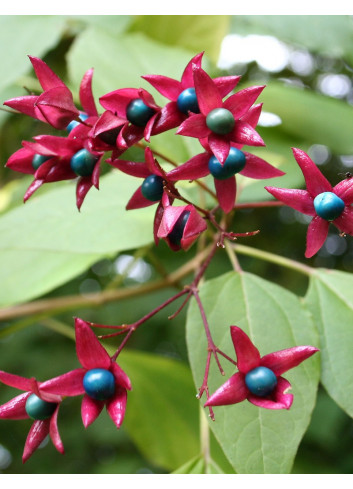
(99, 384)
(328, 205)
(234, 163)
(177, 232)
(138, 112)
(38, 160)
(83, 163)
(36, 408)
(220, 121)
(152, 188)
(261, 381)
(187, 101)
(73, 124)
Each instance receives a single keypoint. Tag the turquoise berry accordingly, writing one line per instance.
(152, 188)
(36, 408)
(328, 205)
(83, 162)
(177, 232)
(261, 381)
(73, 124)
(187, 101)
(99, 384)
(138, 112)
(38, 160)
(220, 121)
(234, 163)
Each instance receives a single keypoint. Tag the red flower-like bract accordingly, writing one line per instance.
(209, 99)
(92, 355)
(248, 358)
(194, 226)
(54, 106)
(171, 116)
(59, 150)
(16, 409)
(303, 201)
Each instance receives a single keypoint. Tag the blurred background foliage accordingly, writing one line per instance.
(307, 64)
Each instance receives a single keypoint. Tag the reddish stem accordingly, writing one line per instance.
(189, 290)
(253, 205)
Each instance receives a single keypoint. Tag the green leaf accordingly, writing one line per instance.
(120, 62)
(330, 300)
(193, 32)
(303, 31)
(255, 440)
(326, 121)
(48, 242)
(162, 411)
(27, 35)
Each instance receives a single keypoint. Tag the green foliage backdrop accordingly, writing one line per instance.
(49, 252)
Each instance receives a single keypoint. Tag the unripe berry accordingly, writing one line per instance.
(38, 160)
(138, 112)
(152, 188)
(110, 136)
(261, 381)
(220, 121)
(83, 163)
(328, 206)
(73, 124)
(187, 101)
(234, 163)
(99, 384)
(177, 232)
(36, 408)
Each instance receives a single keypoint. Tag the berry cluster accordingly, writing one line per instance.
(224, 122)
(199, 107)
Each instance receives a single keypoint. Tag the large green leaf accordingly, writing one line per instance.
(255, 440)
(330, 35)
(162, 412)
(21, 35)
(330, 299)
(119, 62)
(194, 32)
(310, 116)
(47, 242)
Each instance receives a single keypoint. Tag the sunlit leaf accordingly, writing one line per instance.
(47, 242)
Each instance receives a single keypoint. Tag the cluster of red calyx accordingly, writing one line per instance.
(198, 107)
